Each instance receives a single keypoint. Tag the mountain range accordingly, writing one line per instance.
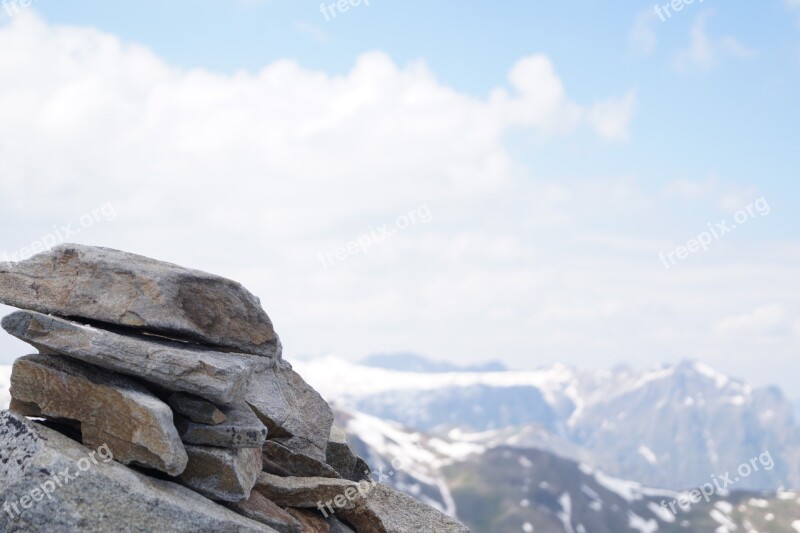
(566, 450)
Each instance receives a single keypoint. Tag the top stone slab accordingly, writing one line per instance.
(133, 291)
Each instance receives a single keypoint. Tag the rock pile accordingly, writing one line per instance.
(177, 376)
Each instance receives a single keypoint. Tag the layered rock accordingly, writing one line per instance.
(290, 408)
(196, 409)
(241, 429)
(111, 409)
(220, 377)
(178, 371)
(130, 290)
(105, 498)
(308, 492)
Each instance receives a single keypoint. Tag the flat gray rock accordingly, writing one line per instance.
(105, 497)
(284, 457)
(340, 456)
(241, 429)
(308, 492)
(386, 510)
(196, 409)
(130, 290)
(220, 474)
(111, 409)
(290, 408)
(217, 376)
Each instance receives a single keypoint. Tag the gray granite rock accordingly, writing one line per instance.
(340, 456)
(241, 429)
(289, 407)
(309, 492)
(217, 376)
(386, 510)
(196, 409)
(220, 474)
(280, 458)
(112, 409)
(48, 473)
(130, 290)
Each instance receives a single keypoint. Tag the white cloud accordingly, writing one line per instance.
(611, 118)
(643, 39)
(705, 52)
(762, 320)
(726, 197)
(252, 175)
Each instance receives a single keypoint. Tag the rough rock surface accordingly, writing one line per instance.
(218, 376)
(112, 409)
(125, 289)
(105, 498)
(340, 456)
(336, 526)
(289, 407)
(262, 510)
(220, 474)
(283, 458)
(165, 368)
(311, 522)
(196, 409)
(308, 491)
(389, 511)
(241, 429)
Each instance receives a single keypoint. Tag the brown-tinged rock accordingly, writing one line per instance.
(310, 521)
(111, 409)
(262, 510)
(196, 409)
(125, 289)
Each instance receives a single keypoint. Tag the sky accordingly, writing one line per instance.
(533, 182)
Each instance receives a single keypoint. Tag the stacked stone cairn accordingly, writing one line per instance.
(178, 375)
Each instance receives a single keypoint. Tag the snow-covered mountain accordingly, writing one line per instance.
(669, 427)
(499, 488)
